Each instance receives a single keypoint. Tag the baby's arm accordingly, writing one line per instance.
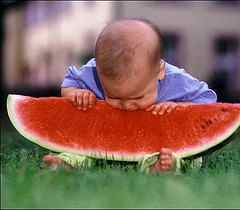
(183, 89)
(189, 90)
(75, 88)
(82, 98)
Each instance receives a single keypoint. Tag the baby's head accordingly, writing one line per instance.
(128, 55)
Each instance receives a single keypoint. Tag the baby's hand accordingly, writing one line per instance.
(166, 161)
(162, 108)
(83, 99)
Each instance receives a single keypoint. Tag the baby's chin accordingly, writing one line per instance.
(135, 108)
(127, 109)
(132, 109)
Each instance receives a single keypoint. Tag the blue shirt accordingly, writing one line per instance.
(177, 86)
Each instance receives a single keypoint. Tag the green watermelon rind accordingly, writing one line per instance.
(12, 99)
(206, 146)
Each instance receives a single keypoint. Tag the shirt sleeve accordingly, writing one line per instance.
(72, 78)
(196, 91)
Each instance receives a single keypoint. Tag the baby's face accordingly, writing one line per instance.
(138, 92)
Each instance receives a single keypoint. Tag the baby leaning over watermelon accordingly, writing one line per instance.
(129, 73)
(147, 114)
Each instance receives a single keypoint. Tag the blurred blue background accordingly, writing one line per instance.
(39, 39)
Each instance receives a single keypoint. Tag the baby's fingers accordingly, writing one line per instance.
(85, 101)
(157, 109)
(92, 100)
(162, 110)
(150, 108)
(79, 100)
(169, 109)
(73, 99)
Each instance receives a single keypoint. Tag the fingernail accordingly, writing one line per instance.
(154, 112)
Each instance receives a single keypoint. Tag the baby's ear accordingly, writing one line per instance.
(161, 73)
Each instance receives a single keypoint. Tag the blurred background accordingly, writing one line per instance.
(39, 39)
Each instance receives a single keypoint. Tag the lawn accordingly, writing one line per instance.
(26, 183)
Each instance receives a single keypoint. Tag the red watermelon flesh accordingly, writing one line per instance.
(105, 132)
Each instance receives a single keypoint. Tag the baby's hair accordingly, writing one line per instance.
(113, 61)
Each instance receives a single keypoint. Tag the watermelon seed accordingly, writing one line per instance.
(203, 126)
(224, 110)
(215, 119)
(209, 122)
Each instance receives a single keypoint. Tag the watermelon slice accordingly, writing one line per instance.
(104, 132)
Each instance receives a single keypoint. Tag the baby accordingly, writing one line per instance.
(129, 74)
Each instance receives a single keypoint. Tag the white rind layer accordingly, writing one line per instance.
(206, 146)
(11, 102)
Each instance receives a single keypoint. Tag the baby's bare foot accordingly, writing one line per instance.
(54, 162)
(165, 162)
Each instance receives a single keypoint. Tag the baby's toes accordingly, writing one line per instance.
(166, 162)
(165, 168)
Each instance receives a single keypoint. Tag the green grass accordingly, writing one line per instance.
(25, 183)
